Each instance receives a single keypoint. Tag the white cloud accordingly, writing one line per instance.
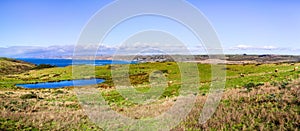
(154, 48)
(250, 47)
(243, 47)
(269, 47)
(143, 48)
(51, 51)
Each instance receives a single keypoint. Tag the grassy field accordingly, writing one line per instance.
(256, 97)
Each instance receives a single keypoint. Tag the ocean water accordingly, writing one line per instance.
(48, 85)
(67, 62)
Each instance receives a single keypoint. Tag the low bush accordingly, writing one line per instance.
(29, 96)
(284, 84)
(249, 86)
(58, 92)
(43, 66)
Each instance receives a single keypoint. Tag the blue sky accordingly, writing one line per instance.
(243, 26)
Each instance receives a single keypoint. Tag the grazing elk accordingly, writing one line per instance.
(170, 83)
(296, 68)
(276, 70)
(242, 75)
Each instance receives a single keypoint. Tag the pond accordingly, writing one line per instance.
(60, 84)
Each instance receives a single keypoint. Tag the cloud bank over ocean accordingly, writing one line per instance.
(264, 49)
(66, 51)
(35, 51)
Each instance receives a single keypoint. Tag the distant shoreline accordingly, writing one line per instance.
(68, 62)
(228, 59)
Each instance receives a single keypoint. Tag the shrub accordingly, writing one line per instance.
(274, 83)
(284, 84)
(169, 63)
(9, 93)
(164, 71)
(29, 96)
(251, 85)
(58, 92)
(258, 64)
(260, 84)
(43, 66)
(2, 95)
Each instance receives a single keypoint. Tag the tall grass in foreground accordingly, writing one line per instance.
(261, 99)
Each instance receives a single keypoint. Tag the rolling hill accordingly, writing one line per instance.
(12, 66)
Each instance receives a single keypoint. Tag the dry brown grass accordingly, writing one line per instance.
(263, 108)
(11, 66)
(148, 110)
(55, 109)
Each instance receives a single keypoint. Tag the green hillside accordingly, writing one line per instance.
(12, 66)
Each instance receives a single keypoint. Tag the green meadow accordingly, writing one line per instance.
(256, 96)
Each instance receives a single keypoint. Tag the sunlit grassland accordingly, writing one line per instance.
(260, 94)
(255, 75)
(139, 76)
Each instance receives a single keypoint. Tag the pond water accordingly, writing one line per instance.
(60, 84)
